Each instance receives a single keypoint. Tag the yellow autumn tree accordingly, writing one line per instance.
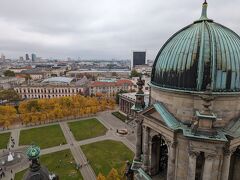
(113, 175)
(101, 177)
(43, 110)
(121, 172)
(7, 115)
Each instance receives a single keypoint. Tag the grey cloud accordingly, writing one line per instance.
(100, 29)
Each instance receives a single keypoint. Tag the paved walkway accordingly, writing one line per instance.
(106, 118)
(15, 135)
(86, 170)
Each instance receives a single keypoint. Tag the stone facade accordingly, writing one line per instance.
(126, 102)
(184, 104)
(182, 157)
(109, 88)
(50, 91)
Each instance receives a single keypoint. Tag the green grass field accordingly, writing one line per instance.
(120, 116)
(4, 139)
(105, 155)
(45, 137)
(86, 129)
(65, 169)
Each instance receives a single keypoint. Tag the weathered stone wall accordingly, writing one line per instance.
(235, 167)
(181, 164)
(184, 105)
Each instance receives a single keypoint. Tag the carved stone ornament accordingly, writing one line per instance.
(210, 156)
(193, 154)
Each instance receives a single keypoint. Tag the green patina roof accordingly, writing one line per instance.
(142, 175)
(233, 129)
(174, 124)
(202, 53)
(33, 152)
(169, 119)
(220, 136)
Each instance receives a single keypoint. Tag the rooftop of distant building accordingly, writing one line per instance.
(119, 82)
(132, 97)
(58, 80)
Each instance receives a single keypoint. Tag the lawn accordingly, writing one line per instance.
(45, 137)
(120, 116)
(4, 139)
(86, 129)
(65, 169)
(105, 155)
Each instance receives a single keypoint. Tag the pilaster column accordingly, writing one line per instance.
(120, 103)
(171, 161)
(208, 164)
(192, 158)
(146, 149)
(125, 106)
(226, 165)
(129, 108)
(139, 139)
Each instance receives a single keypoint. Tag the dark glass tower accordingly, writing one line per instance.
(139, 58)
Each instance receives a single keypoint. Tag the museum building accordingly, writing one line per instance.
(191, 128)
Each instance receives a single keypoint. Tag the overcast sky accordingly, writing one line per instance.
(97, 29)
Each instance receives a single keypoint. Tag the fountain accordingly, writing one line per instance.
(12, 158)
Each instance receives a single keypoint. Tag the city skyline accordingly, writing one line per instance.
(100, 29)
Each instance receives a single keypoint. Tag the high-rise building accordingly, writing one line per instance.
(34, 57)
(27, 57)
(2, 57)
(139, 58)
(21, 58)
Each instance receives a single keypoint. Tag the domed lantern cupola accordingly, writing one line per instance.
(201, 53)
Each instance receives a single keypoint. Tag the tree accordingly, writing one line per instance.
(101, 177)
(111, 104)
(121, 172)
(134, 73)
(28, 77)
(9, 73)
(9, 95)
(113, 175)
(7, 115)
(40, 110)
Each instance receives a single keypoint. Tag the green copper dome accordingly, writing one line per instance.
(201, 54)
(33, 152)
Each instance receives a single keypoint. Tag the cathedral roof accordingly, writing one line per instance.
(233, 128)
(168, 120)
(201, 53)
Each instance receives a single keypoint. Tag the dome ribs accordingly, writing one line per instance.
(201, 53)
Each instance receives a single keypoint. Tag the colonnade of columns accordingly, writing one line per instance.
(143, 145)
(226, 165)
(208, 165)
(210, 162)
(125, 106)
(171, 160)
(146, 154)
